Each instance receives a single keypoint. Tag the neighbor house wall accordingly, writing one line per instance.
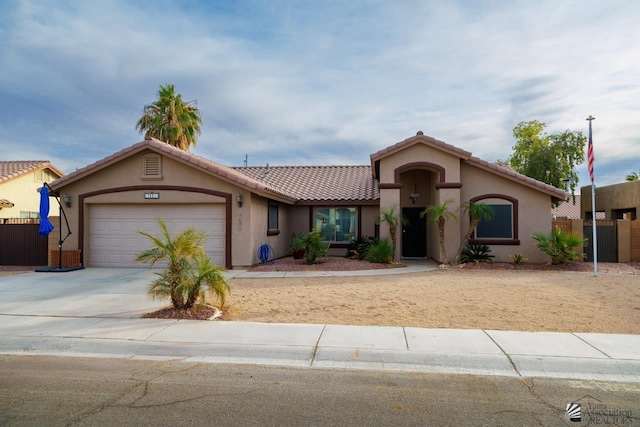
(22, 191)
(612, 199)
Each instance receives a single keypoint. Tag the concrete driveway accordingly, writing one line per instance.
(92, 292)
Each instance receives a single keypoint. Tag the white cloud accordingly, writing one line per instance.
(328, 82)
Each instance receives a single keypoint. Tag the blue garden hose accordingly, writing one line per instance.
(265, 253)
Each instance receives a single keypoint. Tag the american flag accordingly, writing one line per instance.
(590, 156)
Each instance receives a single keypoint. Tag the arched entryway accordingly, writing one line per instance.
(416, 193)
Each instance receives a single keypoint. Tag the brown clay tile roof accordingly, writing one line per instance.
(515, 176)
(224, 172)
(318, 183)
(466, 156)
(420, 138)
(568, 209)
(14, 168)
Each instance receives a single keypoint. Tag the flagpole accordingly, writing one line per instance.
(590, 161)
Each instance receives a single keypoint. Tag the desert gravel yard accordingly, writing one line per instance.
(487, 297)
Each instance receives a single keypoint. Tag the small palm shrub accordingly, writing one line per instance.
(189, 274)
(476, 254)
(517, 259)
(559, 244)
(314, 247)
(381, 252)
(359, 248)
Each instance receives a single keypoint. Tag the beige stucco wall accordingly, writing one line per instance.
(620, 197)
(534, 211)
(429, 195)
(22, 191)
(128, 172)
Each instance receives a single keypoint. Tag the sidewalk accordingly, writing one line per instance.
(95, 312)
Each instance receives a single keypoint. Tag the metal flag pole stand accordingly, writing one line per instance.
(590, 160)
(59, 268)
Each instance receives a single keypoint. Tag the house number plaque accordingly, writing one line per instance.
(151, 195)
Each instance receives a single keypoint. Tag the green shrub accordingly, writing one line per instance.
(314, 247)
(559, 244)
(381, 252)
(359, 248)
(476, 254)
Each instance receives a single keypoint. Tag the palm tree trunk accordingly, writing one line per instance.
(472, 226)
(441, 223)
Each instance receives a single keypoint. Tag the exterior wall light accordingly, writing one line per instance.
(67, 200)
(239, 199)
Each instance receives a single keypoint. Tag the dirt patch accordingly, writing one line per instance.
(496, 296)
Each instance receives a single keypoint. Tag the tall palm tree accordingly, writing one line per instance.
(633, 176)
(393, 219)
(170, 119)
(440, 214)
(477, 212)
(189, 272)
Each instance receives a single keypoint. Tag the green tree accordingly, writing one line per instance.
(633, 176)
(547, 158)
(393, 220)
(439, 215)
(477, 212)
(170, 119)
(189, 273)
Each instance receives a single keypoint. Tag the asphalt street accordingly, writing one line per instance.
(72, 391)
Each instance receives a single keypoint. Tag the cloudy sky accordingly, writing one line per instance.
(320, 82)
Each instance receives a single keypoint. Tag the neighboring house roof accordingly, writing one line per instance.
(15, 168)
(4, 203)
(222, 172)
(466, 156)
(318, 183)
(567, 209)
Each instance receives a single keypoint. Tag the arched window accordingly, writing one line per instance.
(502, 228)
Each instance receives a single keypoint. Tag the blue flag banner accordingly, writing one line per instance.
(45, 225)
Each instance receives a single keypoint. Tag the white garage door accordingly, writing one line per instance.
(114, 242)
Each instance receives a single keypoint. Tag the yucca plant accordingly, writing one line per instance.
(559, 244)
(476, 254)
(189, 273)
(518, 259)
(359, 248)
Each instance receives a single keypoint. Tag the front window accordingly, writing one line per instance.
(500, 226)
(336, 224)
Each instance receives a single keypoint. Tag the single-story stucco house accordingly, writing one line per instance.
(241, 208)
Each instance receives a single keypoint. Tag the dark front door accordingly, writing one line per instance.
(414, 234)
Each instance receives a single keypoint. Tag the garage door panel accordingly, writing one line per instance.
(114, 241)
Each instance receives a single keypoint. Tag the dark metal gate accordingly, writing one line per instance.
(20, 244)
(607, 241)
